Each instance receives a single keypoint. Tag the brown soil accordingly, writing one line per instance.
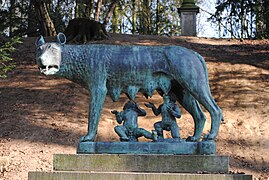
(41, 116)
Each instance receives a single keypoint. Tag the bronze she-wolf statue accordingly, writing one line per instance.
(115, 69)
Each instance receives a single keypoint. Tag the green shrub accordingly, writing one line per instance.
(6, 63)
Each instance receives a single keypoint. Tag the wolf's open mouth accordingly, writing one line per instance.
(50, 69)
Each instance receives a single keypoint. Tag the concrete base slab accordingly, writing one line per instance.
(141, 163)
(182, 148)
(131, 176)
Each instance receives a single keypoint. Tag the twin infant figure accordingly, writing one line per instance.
(130, 131)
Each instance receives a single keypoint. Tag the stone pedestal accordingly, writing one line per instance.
(63, 175)
(188, 19)
(154, 163)
(138, 167)
(168, 159)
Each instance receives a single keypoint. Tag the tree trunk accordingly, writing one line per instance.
(147, 17)
(259, 22)
(31, 23)
(134, 16)
(12, 13)
(22, 18)
(89, 8)
(46, 24)
(98, 10)
(79, 11)
(266, 17)
(251, 18)
(110, 11)
(115, 21)
(157, 17)
(231, 22)
(242, 17)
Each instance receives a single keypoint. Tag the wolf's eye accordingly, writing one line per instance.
(49, 46)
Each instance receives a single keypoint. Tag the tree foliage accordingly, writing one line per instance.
(236, 18)
(33, 17)
(7, 47)
(242, 18)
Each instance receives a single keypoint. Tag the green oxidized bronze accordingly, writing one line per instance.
(130, 131)
(115, 69)
(169, 111)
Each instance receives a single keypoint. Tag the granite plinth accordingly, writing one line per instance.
(141, 163)
(138, 167)
(132, 176)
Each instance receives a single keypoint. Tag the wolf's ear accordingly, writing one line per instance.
(40, 41)
(61, 38)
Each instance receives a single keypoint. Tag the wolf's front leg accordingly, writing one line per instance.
(97, 97)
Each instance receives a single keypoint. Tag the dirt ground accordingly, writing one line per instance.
(41, 116)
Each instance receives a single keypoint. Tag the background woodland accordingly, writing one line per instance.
(234, 18)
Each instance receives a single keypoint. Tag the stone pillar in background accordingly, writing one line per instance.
(188, 12)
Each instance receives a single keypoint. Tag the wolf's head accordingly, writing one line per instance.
(48, 55)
